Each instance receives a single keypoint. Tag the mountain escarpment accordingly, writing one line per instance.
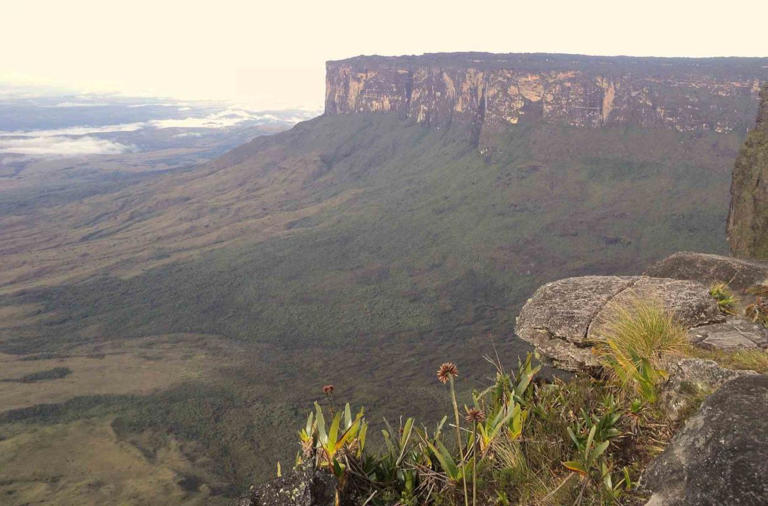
(748, 215)
(492, 91)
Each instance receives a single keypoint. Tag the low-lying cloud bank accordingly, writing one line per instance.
(61, 146)
(80, 140)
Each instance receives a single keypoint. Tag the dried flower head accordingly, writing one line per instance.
(328, 389)
(474, 415)
(447, 371)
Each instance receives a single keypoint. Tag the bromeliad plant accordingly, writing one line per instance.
(592, 435)
(333, 447)
(503, 404)
(512, 446)
(726, 301)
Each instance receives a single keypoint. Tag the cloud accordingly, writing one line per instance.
(223, 119)
(61, 146)
(80, 104)
(85, 130)
(80, 140)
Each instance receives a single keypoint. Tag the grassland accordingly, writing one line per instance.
(361, 251)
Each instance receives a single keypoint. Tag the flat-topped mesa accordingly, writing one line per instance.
(494, 90)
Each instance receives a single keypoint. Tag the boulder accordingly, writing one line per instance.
(563, 318)
(303, 486)
(720, 456)
(557, 318)
(739, 274)
(734, 334)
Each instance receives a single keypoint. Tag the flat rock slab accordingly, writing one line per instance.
(720, 456)
(738, 273)
(563, 318)
(733, 334)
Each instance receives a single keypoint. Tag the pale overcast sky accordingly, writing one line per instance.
(271, 54)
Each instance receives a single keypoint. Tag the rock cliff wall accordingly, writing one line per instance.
(492, 90)
(748, 214)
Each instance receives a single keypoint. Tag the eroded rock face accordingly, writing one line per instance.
(721, 454)
(563, 318)
(748, 214)
(495, 90)
(738, 273)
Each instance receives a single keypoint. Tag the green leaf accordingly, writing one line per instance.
(361, 438)
(347, 416)
(446, 461)
(333, 432)
(600, 448)
(575, 465)
(322, 436)
(590, 438)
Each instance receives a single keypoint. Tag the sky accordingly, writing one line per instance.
(271, 54)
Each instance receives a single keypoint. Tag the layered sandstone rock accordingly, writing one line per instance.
(494, 90)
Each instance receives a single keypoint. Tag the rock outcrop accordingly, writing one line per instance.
(734, 334)
(495, 90)
(721, 454)
(748, 214)
(303, 486)
(689, 379)
(563, 318)
(738, 273)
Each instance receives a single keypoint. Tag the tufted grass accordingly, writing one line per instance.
(634, 340)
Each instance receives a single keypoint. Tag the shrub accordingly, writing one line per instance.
(49, 374)
(724, 297)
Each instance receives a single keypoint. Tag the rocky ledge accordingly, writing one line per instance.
(707, 268)
(563, 318)
(720, 456)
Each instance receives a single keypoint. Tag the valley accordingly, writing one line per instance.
(200, 307)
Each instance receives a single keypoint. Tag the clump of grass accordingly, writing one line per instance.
(634, 340)
(726, 301)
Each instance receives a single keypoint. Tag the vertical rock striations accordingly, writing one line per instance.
(494, 90)
(748, 214)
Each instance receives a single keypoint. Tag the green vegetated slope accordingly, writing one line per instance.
(748, 219)
(432, 248)
(435, 236)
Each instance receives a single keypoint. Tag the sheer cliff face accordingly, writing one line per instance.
(492, 91)
(748, 215)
